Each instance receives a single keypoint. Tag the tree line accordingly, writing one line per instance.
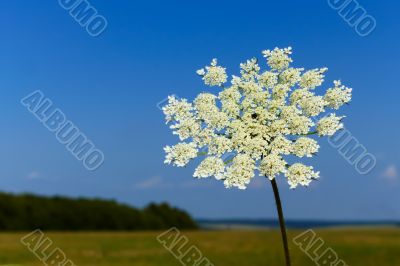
(30, 212)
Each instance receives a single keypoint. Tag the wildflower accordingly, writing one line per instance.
(328, 126)
(240, 172)
(312, 78)
(278, 59)
(259, 119)
(272, 165)
(213, 75)
(268, 79)
(177, 109)
(304, 146)
(180, 154)
(338, 95)
(300, 174)
(210, 166)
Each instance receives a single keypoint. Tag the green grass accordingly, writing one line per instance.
(355, 246)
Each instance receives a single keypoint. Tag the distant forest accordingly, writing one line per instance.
(30, 212)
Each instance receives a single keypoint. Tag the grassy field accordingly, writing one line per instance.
(355, 246)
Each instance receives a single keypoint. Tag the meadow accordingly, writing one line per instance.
(361, 246)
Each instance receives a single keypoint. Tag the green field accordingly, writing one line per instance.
(354, 246)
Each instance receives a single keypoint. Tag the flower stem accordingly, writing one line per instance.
(281, 221)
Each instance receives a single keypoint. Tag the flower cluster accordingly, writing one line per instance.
(257, 124)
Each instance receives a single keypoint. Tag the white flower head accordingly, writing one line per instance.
(313, 78)
(177, 110)
(272, 165)
(268, 79)
(312, 105)
(220, 145)
(186, 128)
(180, 154)
(328, 126)
(213, 75)
(337, 96)
(291, 76)
(300, 174)
(280, 145)
(211, 166)
(261, 118)
(250, 69)
(240, 172)
(304, 146)
(278, 59)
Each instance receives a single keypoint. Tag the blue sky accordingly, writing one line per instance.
(109, 87)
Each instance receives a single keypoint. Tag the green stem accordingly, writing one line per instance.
(309, 133)
(281, 221)
(228, 161)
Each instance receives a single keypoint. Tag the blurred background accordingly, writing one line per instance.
(110, 78)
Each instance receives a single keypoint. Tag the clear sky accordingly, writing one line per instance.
(109, 86)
